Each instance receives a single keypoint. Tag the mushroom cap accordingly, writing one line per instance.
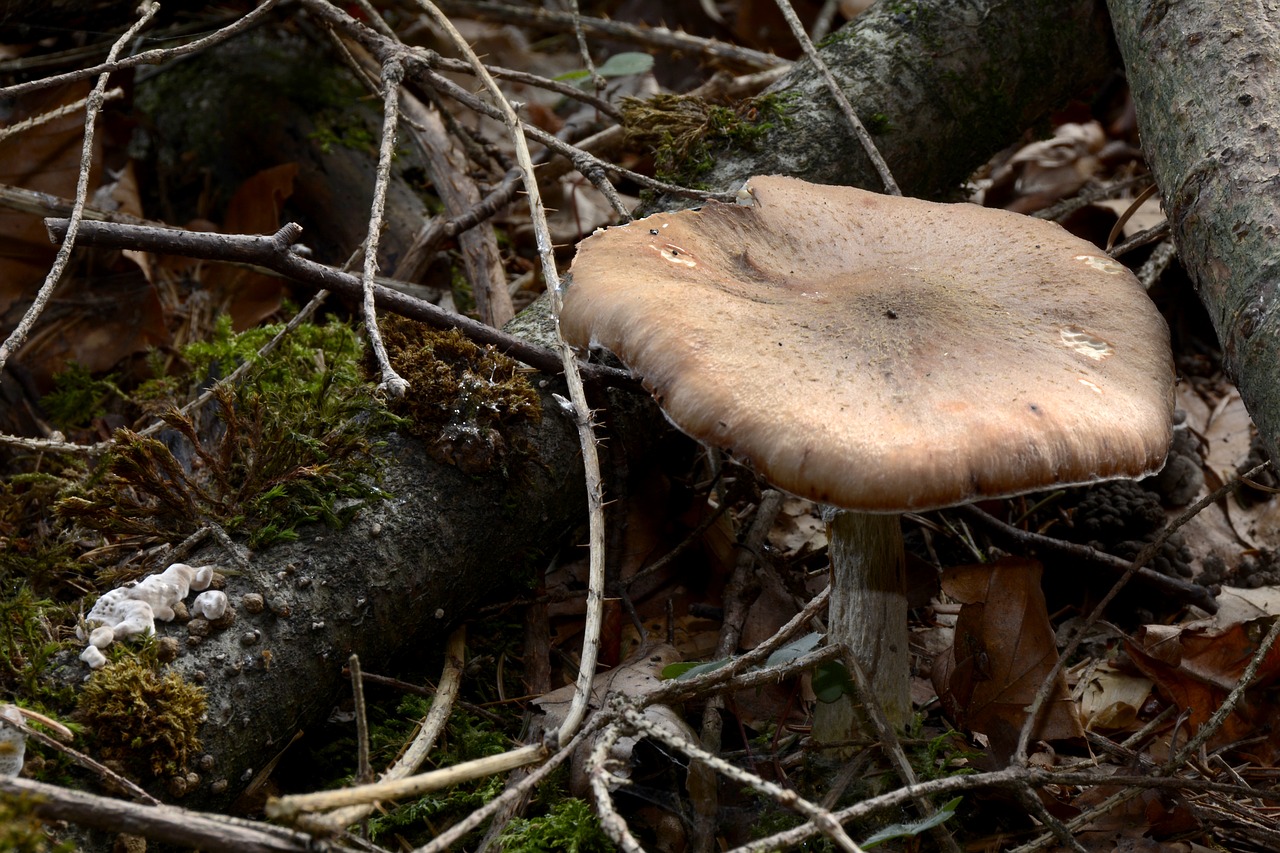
(883, 354)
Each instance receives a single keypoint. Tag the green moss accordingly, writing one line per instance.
(40, 579)
(77, 398)
(291, 445)
(466, 738)
(686, 133)
(467, 403)
(569, 827)
(878, 124)
(21, 831)
(145, 721)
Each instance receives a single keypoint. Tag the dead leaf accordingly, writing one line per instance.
(635, 678)
(1109, 698)
(1195, 666)
(45, 158)
(1003, 650)
(250, 296)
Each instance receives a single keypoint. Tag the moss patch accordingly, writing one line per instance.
(290, 445)
(686, 133)
(466, 403)
(145, 721)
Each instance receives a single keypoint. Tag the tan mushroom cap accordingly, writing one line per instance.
(883, 354)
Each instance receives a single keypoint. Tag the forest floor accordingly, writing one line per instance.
(1158, 734)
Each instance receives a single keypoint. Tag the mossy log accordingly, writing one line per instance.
(407, 569)
(941, 87)
(1203, 76)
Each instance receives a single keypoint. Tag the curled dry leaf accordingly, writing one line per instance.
(1003, 650)
(1195, 666)
(636, 677)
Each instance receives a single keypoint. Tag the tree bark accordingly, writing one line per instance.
(941, 85)
(1204, 79)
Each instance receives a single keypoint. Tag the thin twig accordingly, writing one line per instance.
(573, 379)
(364, 773)
(654, 36)
(392, 383)
(1144, 556)
(150, 57)
(887, 735)
(163, 823)
(416, 753)
(1186, 591)
(290, 807)
(272, 251)
(446, 840)
(784, 797)
(603, 781)
(54, 114)
(846, 108)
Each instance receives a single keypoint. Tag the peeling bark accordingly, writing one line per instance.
(1205, 81)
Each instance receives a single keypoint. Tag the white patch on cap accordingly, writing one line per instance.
(676, 255)
(1086, 383)
(1077, 339)
(1106, 265)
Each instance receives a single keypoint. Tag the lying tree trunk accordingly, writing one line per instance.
(407, 569)
(941, 87)
(1204, 80)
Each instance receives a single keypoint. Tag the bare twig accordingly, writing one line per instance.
(785, 797)
(1186, 591)
(363, 771)
(446, 840)
(54, 114)
(290, 807)
(272, 251)
(652, 36)
(168, 824)
(603, 781)
(846, 108)
(416, 753)
(150, 57)
(573, 378)
(1144, 556)
(392, 73)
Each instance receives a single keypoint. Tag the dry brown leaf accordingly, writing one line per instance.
(1195, 666)
(1003, 650)
(47, 159)
(1109, 698)
(251, 296)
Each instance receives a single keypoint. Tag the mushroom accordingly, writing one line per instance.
(882, 355)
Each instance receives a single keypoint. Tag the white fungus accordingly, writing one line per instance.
(211, 605)
(133, 609)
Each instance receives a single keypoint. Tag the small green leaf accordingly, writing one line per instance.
(619, 65)
(702, 668)
(626, 64)
(831, 681)
(794, 649)
(904, 830)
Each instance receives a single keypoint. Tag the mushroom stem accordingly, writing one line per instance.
(868, 616)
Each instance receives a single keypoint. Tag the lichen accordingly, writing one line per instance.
(686, 132)
(145, 721)
(467, 403)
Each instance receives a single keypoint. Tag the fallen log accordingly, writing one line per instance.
(1204, 81)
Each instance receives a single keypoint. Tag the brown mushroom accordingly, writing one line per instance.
(881, 355)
